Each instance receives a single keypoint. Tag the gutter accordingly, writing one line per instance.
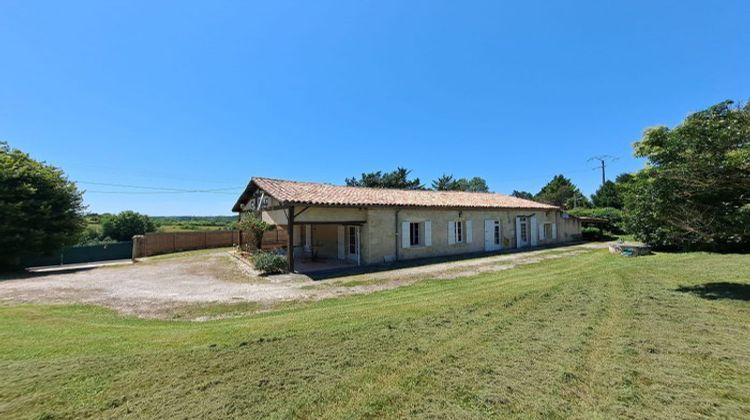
(395, 232)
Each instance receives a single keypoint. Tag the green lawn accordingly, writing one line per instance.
(592, 335)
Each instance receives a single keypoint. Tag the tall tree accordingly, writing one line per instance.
(41, 211)
(448, 183)
(398, 179)
(445, 183)
(522, 194)
(695, 190)
(475, 184)
(622, 180)
(608, 195)
(561, 192)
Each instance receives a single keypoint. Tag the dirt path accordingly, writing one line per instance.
(456, 269)
(153, 288)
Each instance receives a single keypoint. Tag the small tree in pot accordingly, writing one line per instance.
(253, 224)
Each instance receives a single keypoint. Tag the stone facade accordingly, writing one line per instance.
(380, 230)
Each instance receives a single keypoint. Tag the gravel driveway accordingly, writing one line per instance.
(153, 287)
(149, 288)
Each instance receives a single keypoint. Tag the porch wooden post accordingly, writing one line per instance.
(290, 245)
(239, 231)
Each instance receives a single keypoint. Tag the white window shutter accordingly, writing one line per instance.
(451, 233)
(405, 235)
(554, 231)
(541, 232)
(489, 234)
(533, 229)
(518, 232)
(469, 232)
(427, 233)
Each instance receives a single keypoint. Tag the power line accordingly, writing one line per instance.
(158, 192)
(159, 189)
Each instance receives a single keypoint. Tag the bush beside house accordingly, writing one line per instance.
(269, 263)
(255, 226)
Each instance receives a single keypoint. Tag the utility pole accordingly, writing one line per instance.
(603, 159)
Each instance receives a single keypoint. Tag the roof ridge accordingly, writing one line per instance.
(426, 190)
(318, 193)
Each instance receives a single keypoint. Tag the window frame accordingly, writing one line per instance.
(459, 231)
(496, 234)
(415, 239)
(524, 233)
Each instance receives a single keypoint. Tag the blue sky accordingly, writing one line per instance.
(203, 95)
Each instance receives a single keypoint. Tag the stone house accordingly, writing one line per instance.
(362, 226)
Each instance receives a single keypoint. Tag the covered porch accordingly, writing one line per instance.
(320, 246)
(319, 238)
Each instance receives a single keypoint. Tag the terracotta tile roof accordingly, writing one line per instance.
(312, 193)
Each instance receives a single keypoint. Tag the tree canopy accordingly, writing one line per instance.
(41, 211)
(398, 179)
(475, 184)
(522, 194)
(448, 183)
(445, 183)
(608, 195)
(561, 192)
(124, 225)
(695, 190)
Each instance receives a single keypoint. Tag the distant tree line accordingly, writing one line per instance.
(106, 228)
(399, 179)
(560, 191)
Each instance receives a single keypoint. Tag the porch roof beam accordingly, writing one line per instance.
(301, 211)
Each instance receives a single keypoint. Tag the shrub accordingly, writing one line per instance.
(125, 225)
(614, 217)
(269, 263)
(254, 224)
(592, 234)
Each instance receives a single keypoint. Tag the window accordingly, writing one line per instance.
(548, 231)
(497, 232)
(459, 231)
(524, 232)
(414, 234)
(352, 240)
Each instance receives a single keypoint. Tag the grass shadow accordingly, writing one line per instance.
(719, 290)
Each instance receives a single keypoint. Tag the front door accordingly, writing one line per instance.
(492, 235)
(523, 232)
(352, 243)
